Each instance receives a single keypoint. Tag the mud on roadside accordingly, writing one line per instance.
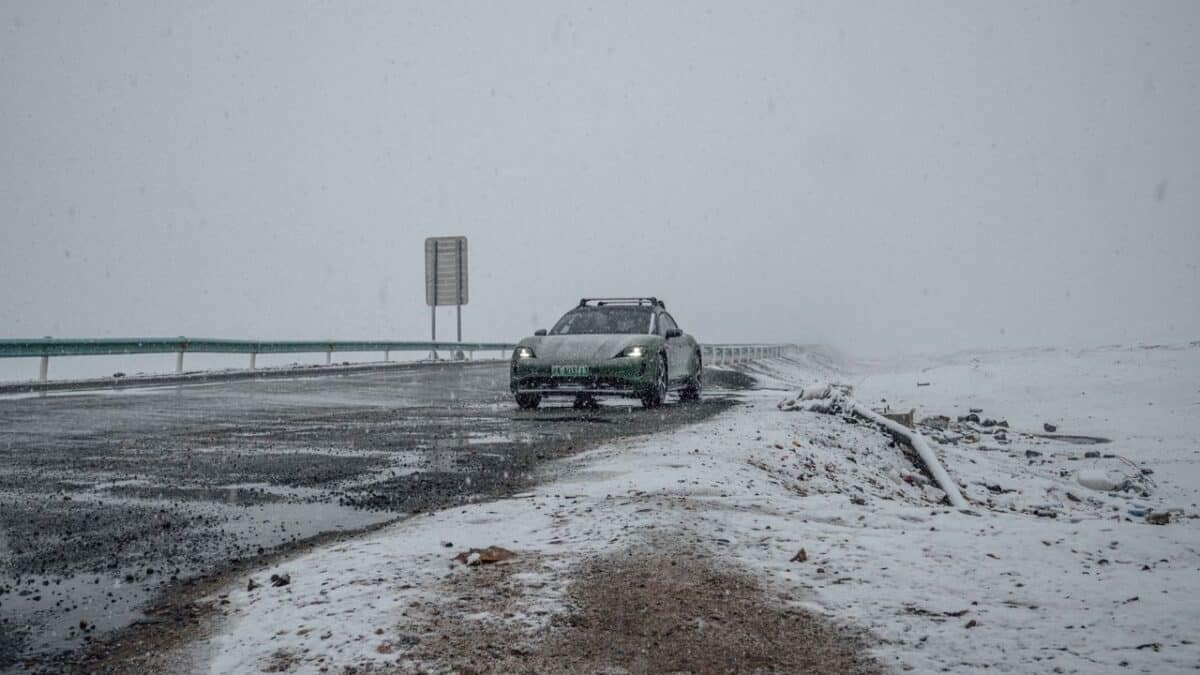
(652, 609)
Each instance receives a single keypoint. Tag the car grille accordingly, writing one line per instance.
(615, 383)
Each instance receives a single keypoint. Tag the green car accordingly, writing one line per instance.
(608, 347)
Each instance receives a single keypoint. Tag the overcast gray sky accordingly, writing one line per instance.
(909, 176)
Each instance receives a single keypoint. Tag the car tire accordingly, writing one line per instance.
(528, 401)
(691, 391)
(656, 396)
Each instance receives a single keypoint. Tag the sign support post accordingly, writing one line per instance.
(458, 292)
(446, 282)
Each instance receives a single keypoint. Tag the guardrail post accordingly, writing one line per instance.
(179, 362)
(253, 358)
(386, 354)
(328, 356)
(44, 369)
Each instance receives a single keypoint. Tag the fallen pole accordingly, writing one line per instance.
(917, 442)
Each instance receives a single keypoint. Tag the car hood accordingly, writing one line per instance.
(583, 347)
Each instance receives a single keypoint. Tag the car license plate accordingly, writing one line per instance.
(568, 371)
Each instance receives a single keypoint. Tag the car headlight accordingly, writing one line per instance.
(524, 353)
(635, 352)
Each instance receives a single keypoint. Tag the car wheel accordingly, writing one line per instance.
(655, 397)
(691, 391)
(529, 401)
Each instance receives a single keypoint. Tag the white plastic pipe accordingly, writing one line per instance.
(44, 369)
(178, 362)
(253, 358)
(917, 441)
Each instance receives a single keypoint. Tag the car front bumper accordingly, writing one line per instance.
(613, 377)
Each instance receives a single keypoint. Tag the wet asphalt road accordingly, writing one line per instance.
(111, 498)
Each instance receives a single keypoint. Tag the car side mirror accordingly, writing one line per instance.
(539, 332)
(674, 333)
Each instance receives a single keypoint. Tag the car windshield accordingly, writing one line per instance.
(603, 320)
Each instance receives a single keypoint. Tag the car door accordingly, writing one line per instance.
(678, 348)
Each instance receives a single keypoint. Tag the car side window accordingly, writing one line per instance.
(665, 323)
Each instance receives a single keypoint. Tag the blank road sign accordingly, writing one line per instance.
(445, 271)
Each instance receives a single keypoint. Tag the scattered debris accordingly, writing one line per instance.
(1096, 479)
(252, 584)
(278, 580)
(1049, 428)
(801, 556)
(1158, 518)
(939, 422)
(901, 418)
(485, 556)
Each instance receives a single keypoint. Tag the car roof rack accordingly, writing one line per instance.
(600, 302)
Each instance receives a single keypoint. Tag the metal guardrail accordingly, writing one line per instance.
(726, 354)
(45, 348)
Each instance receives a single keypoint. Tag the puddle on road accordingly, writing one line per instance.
(566, 418)
(43, 613)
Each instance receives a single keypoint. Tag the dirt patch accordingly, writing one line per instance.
(641, 612)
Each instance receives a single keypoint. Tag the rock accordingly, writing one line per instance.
(1092, 454)
(939, 422)
(922, 384)
(278, 580)
(1032, 453)
(801, 556)
(989, 422)
(1158, 518)
(252, 584)
(969, 418)
(972, 623)
(1050, 428)
(1002, 423)
(485, 556)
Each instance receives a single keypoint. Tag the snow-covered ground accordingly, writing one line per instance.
(1041, 574)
